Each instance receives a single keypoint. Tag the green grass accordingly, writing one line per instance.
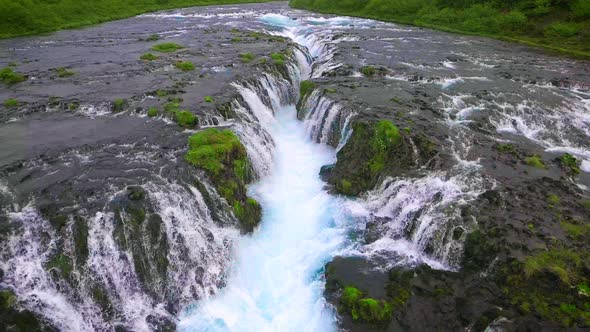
(11, 102)
(185, 65)
(8, 76)
(561, 26)
(246, 57)
(208, 99)
(64, 72)
(167, 47)
(148, 57)
(535, 161)
(278, 58)
(563, 263)
(119, 105)
(212, 149)
(368, 71)
(26, 17)
(306, 87)
(570, 164)
(185, 119)
(364, 308)
(152, 112)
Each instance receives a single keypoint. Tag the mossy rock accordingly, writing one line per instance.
(354, 303)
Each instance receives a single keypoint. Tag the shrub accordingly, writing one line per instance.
(185, 119)
(565, 30)
(185, 65)
(167, 47)
(11, 102)
(8, 76)
(246, 57)
(535, 161)
(64, 72)
(148, 57)
(152, 112)
(368, 71)
(513, 21)
(119, 105)
(278, 58)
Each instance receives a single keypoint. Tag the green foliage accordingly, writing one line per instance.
(119, 105)
(208, 99)
(278, 58)
(11, 102)
(246, 57)
(553, 199)
(570, 164)
(185, 119)
(506, 148)
(24, 17)
(534, 161)
(563, 263)
(167, 47)
(306, 87)
(559, 25)
(64, 72)
(576, 230)
(185, 65)
(214, 150)
(368, 71)
(152, 112)
(385, 137)
(8, 76)
(363, 308)
(148, 57)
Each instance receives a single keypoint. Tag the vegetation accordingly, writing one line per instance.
(364, 308)
(152, 112)
(11, 102)
(148, 57)
(561, 25)
(246, 57)
(185, 119)
(570, 164)
(534, 161)
(306, 87)
(119, 105)
(208, 99)
(278, 58)
(368, 71)
(31, 17)
(167, 47)
(185, 65)
(64, 72)
(8, 76)
(223, 157)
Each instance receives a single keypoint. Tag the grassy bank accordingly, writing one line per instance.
(562, 26)
(26, 17)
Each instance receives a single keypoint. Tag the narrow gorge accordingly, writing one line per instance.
(260, 168)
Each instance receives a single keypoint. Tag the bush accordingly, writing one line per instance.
(185, 119)
(513, 21)
(535, 161)
(8, 76)
(11, 102)
(167, 47)
(581, 8)
(148, 57)
(368, 71)
(185, 65)
(565, 30)
(119, 105)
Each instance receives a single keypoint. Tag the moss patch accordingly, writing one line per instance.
(167, 47)
(8, 76)
(535, 161)
(246, 57)
(570, 164)
(64, 72)
(11, 102)
(278, 58)
(119, 105)
(223, 157)
(152, 112)
(148, 57)
(185, 65)
(185, 119)
(359, 307)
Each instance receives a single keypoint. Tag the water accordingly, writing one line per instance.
(275, 282)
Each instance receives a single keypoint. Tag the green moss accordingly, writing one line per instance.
(208, 99)
(368, 71)
(119, 105)
(185, 65)
(11, 102)
(167, 47)
(535, 161)
(153, 38)
(172, 106)
(73, 106)
(363, 308)
(246, 57)
(306, 87)
(61, 263)
(576, 230)
(553, 199)
(148, 57)
(185, 119)
(570, 164)
(345, 186)
(385, 137)
(8, 76)
(235, 40)
(7, 299)
(152, 112)
(64, 72)
(563, 263)
(506, 148)
(278, 58)
(161, 93)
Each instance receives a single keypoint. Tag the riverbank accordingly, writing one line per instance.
(563, 30)
(20, 18)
